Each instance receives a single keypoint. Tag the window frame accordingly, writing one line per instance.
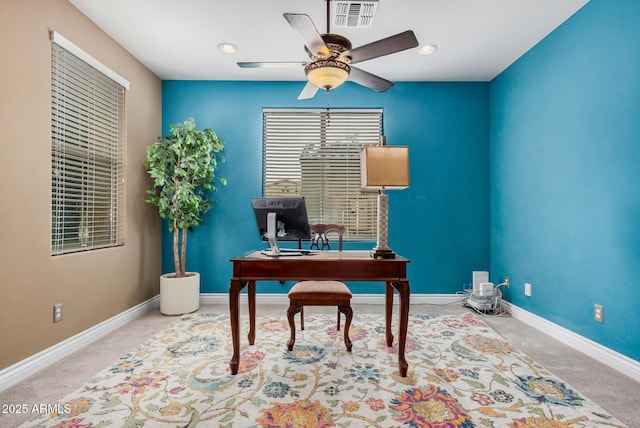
(327, 144)
(88, 111)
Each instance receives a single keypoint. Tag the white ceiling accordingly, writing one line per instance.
(178, 39)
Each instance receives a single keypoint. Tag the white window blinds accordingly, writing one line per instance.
(87, 154)
(316, 154)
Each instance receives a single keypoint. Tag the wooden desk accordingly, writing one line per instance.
(326, 265)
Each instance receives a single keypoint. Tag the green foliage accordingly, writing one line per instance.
(183, 167)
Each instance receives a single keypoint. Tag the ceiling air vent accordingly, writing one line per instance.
(354, 14)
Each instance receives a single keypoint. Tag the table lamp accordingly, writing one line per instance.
(384, 167)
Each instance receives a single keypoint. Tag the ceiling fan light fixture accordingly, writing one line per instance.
(327, 73)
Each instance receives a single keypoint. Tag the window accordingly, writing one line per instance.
(87, 151)
(316, 154)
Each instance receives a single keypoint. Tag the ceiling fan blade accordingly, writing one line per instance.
(270, 64)
(389, 45)
(309, 91)
(312, 40)
(369, 80)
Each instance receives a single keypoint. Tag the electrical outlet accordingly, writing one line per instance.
(598, 313)
(57, 312)
(527, 289)
(506, 281)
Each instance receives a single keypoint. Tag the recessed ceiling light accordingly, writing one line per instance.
(427, 49)
(227, 48)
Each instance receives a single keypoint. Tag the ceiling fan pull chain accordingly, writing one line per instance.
(328, 103)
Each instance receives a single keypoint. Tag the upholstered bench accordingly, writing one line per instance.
(320, 293)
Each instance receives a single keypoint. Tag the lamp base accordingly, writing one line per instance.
(378, 253)
(381, 250)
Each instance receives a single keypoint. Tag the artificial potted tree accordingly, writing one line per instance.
(183, 167)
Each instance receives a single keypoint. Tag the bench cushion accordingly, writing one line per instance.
(319, 290)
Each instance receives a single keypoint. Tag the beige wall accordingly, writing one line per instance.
(95, 285)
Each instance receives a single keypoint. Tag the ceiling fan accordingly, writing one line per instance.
(331, 56)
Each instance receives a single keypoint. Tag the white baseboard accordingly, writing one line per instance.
(357, 299)
(607, 356)
(21, 370)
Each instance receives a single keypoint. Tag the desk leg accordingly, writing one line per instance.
(404, 292)
(251, 294)
(388, 306)
(234, 316)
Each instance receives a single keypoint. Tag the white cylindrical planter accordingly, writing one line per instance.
(179, 296)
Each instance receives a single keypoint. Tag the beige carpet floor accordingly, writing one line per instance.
(613, 391)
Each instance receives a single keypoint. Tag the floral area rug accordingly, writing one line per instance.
(461, 374)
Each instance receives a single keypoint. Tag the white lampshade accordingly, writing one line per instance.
(384, 167)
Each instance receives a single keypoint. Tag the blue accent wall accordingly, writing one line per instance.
(565, 175)
(441, 223)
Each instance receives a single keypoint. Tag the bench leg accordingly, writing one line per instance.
(348, 312)
(291, 313)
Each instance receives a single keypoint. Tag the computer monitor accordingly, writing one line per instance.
(281, 219)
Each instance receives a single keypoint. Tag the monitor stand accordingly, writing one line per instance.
(274, 250)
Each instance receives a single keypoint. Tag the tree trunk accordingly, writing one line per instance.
(184, 252)
(176, 259)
